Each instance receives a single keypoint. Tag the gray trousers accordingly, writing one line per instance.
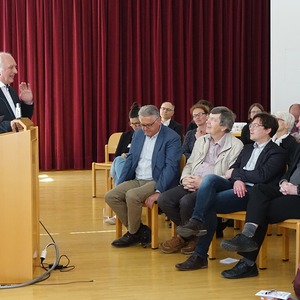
(127, 199)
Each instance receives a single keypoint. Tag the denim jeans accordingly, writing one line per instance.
(215, 195)
(116, 168)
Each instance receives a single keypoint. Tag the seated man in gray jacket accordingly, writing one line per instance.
(213, 153)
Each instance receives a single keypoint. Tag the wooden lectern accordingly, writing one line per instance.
(19, 204)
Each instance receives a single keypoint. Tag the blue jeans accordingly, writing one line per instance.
(215, 195)
(116, 168)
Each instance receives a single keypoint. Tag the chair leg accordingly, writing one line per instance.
(154, 229)
(173, 229)
(107, 180)
(262, 255)
(236, 224)
(270, 229)
(285, 244)
(212, 251)
(93, 180)
(118, 227)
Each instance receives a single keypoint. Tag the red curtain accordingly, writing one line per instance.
(88, 60)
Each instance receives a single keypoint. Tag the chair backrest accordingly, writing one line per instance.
(111, 146)
(182, 162)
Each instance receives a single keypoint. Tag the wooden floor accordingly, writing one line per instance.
(76, 222)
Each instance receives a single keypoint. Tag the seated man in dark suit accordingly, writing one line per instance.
(166, 113)
(9, 97)
(268, 204)
(151, 167)
(262, 162)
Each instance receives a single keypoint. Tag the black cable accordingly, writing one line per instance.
(39, 278)
(47, 232)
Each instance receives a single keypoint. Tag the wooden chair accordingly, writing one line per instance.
(285, 226)
(239, 216)
(151, 217)
(109, 149)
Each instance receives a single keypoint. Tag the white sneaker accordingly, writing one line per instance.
(111, 221)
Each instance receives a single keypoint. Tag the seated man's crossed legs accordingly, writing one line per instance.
(126, 200)
(178, 204)
(215, 195)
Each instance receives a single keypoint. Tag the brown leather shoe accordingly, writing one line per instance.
(190, 247)
(175, 244)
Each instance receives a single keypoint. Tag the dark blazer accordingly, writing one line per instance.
(294, 164)
(125, 141)
(188, 143)
(165, 159)
(177, 128)
(192, 125)
(290, 144)
(269, 167)
(6, 111)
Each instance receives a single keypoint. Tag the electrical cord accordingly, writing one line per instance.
(48, 267)
(42, 277)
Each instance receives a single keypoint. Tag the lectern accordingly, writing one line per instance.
(19, 204)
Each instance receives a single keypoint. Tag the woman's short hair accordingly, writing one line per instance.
(287, 118)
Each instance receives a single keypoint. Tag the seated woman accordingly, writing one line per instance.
(124, 143)
(283, 135)
(123, 148)
(254, 109)
(199, 113)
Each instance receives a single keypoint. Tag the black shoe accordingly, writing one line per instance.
(126, 240)
(240, 270)
(240, 243)
(194, 262)
(193, 227)
(144, 234)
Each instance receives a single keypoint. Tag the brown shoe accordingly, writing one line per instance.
(190, 247)
(173, 245)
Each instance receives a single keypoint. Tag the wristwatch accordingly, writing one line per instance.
(298, 190)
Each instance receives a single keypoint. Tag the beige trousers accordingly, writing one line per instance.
(127, 199)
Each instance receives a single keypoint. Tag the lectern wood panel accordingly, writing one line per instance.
(19, 206)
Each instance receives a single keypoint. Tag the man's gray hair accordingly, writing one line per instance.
(148, 110)
(287, 118)
(227, 117)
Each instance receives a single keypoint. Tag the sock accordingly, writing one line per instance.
(249, 229)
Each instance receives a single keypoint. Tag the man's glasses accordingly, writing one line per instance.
(149, 125)
(255, 125)
(166, 109)
(200, 114)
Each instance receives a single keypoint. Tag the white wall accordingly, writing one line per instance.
(285, 54)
